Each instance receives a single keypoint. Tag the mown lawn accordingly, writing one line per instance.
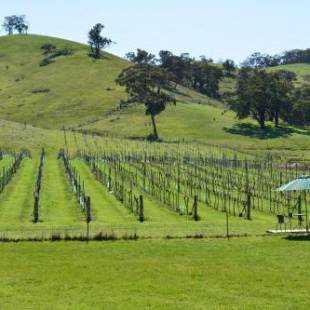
(246, 273)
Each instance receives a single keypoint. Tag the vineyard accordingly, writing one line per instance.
(115, 188)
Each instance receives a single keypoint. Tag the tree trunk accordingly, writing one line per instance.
(155, 133)
(276, 118)
(261, 121)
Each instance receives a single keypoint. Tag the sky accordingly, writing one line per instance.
(219, 29)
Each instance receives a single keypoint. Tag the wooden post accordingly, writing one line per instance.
(306, 205)
(141, 209)
(227, 225)
(248, 193)
(36, 208)
(195, 209)
(88, 216)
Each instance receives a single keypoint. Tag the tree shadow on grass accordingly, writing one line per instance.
(298, 238)
(270, 132)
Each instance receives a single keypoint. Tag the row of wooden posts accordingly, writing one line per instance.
(125, 182)
(8, 172)
(116, 183)
(77, 187)
(37, 188)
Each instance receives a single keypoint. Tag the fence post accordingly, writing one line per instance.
(141, 209)
(195, 209)
(248, 193)
(36, 208)
(227, 224)
(88, 216)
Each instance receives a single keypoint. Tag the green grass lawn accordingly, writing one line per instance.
(246, 273)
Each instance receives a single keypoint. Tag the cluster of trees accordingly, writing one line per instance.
(15, 23)
(270, 96)
(259, 60)
(201, 75)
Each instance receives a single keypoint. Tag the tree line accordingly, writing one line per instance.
(260, 60)
(201, 75)
(262, 95)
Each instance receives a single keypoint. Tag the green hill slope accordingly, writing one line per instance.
(71, 90)
(302, 71)
(78, 92)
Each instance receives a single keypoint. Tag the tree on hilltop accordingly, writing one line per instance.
(96, 41)
(15, 22)
(229, 67)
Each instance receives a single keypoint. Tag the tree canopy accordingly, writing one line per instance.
(145, 84)
(15, 22)
(96, 41)
(262, 95)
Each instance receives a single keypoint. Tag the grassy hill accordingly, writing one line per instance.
(302, 71)
(78, 92)
(71, 90)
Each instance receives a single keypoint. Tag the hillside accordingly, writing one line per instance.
(78, 92)
(71, 90)
(302, 71)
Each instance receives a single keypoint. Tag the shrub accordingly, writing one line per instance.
(46, 61)
(63, 52)
(40, 90)
(48, 48)
(54, 54)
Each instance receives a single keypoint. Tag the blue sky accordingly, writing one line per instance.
(216, 28)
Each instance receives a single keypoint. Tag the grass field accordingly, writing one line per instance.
(247, 273)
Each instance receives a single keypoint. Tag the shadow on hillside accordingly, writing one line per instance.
(252, 130)
(177, 91)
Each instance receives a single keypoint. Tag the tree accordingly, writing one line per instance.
(48, 48)
(15, 22)
(229, 67)
(299, 110)
(262, 95)
(281, 87)
(206, 78)
(144, 84)
(141, 57)
(177, 66)
(96, 41)
(259, 60)
(253, 95)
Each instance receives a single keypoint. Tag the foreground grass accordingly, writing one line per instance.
(258, 273)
